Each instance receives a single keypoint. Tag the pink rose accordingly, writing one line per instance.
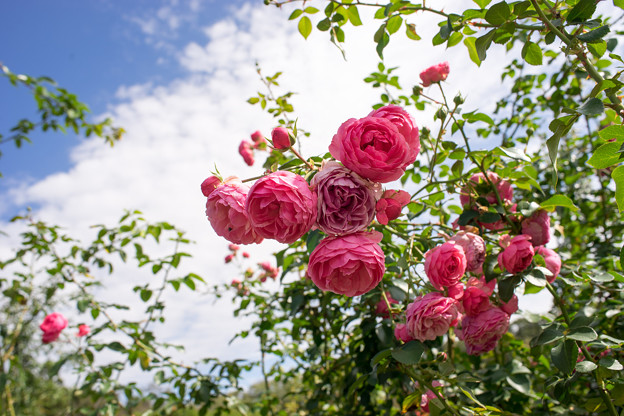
(346, 201)
(269, 270)
(445, 264)
(478, 185)
(510, 307)
(401, 334)
(374, 148)
(229, 258)
(474, 249)
(246, 151)
(475, 300)
(518, 255)
(435, 74)
(245, 254)
(83, 330)
(233, 247)
(552, 260)
(405, 123)
(538, 227)
(481, 333)
(424, 399)
(226, 213)
(52, 326)
(430, 316)
(390, 205)
(257, 136)
(381, 308)
(350, 265)
(281, 138)
(281, 206)
(209, 185)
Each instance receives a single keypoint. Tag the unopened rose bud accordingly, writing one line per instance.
(209, 185)
(281, 138)
(256, 136)
(458, 100)
(441, 114)
(245, 254)
(233, 247)
(417, 90)
(229, 258)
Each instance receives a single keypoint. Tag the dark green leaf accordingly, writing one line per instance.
(323, 25)
(595, 35)
(610, 363)
(498, 14)
(295, 14)
(585, 367)
(409, 353)
(483, 43)
(564, 355)
(506, 288)
(314, 238)
(466, 216)
(591, 107)
(520, 382)
(583, 333)
(550, 334)
(583, 10)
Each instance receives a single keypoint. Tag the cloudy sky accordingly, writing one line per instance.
(176, 76)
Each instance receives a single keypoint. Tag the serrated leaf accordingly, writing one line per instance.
(532, 53)
(559, 201)
(606, 155)
(618, 178)
(583, 333)
(583, 10)
(498, 14)
(610, 363)
(305, 26)
(595, 35)
(585, 367)
(409, 353)
(564, 356)
(592, 107)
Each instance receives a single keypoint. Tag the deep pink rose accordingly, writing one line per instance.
(246, 151)
(518, 255)
(424, 399)
(245, 254)
(430, 316)
(350, 265)
(257, 136)
(52, 326)
(478, 186)
(209, 185)
(538, 227)
(280, 138)
(435, 74)
(475, 301)
(226, 213)
(83, 330)
(405, 123)
(401, 334)
(445, 264)
(390, 205)
(229, 258)
(481, 333)
(381, 308)
(510, 307)
(374, 148)
(552, 260)
(346, 201)
(474, 249)
(281, 206)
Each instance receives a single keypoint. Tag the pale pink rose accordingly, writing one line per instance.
(478, 186)
(280, 138)
(481, 333)
(390, 205)
(209, 185)
(281, 206)
(474, 249)
(403, 120)
(52, 326)
(552, 260)
(346, 201)
(518, 255)
(374, 148)
(504, 240)
(381, 308)
(429, 395)
(245, 149)
(257, 136)
(538, 227)
(225, 209)
(430, 316)
(350, 265)
(83, 330)
(510, 307)
(435, 74)
(401, 334)
(445, 264)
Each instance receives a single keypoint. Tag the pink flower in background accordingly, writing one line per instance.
(280, 138)
(381, 308)
(346, 201)
(404, 122)
(350, 265)
(552, 260)
(374, 148)
(209, 185)
(233, 247)
(445, 264)
(480, 186)
(430, 316)
(401, 334)
(246, 151)
(390, 205)
(518, 255)
(435, 74)
(474, 249)
(245, 254)
(425, 398)
(83, 330)
(257, 136)
(229, 258)
(281, 206)
(538, 227)
(481, 333)
(510, 307)
(269, 270)
(226, 213)
(52, 326)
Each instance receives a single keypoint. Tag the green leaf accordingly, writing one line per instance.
(612, 132)
(472, 50)
(595, 35)
(295, 14)
(512, 152)
(564, 355)
(618, 178)
(622, 257)
(559, 201)
(532, 53)
(619, 3)
(592, 107)
(145, 295)
(409, 353)
(583, 333)
(324, 25)
(394, 24)
(410, 31)
(483, 43)
(520, 382)
(601, 277)
(606, 155)
(354, 16)
(411, 401)
(585, 367)
(377, 358)
(582, 11)
(536, 278)
(498, 14)
(314, 238)
(610, 363)
(305, 26)
(550, 334)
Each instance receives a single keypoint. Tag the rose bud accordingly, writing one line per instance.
(281, 138)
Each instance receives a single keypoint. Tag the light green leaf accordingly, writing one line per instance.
(513, 152)
(532, 53)
(295, 14)
(618, 177)
(410, 31)
(612, 132)
(559, 201)
(354, 16)
(472, 50)
(606, 155)
(305, 26)
(394, 24)
(498, 14)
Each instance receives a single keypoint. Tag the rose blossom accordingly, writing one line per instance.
(83, 330)
(510, 307)
(281, 206)
(476, 297)
(479, 185)
(428, 395)
(518, 255)
(374, 148)
(552, 260)
(404, 122)
(209, 185)
(390, 205)
(280, 138)
(346, 201)
(445, 264)
(538, 227)
(226, 213)
(245, 149)
(435, 74)
(481, 333)
(430, 316)
(269, 270)
(257, 136)
(400, 333)
(52, 326)
(474, 249)
(350, 265)
(381, 308)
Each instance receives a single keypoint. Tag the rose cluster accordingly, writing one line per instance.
(54, 323)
